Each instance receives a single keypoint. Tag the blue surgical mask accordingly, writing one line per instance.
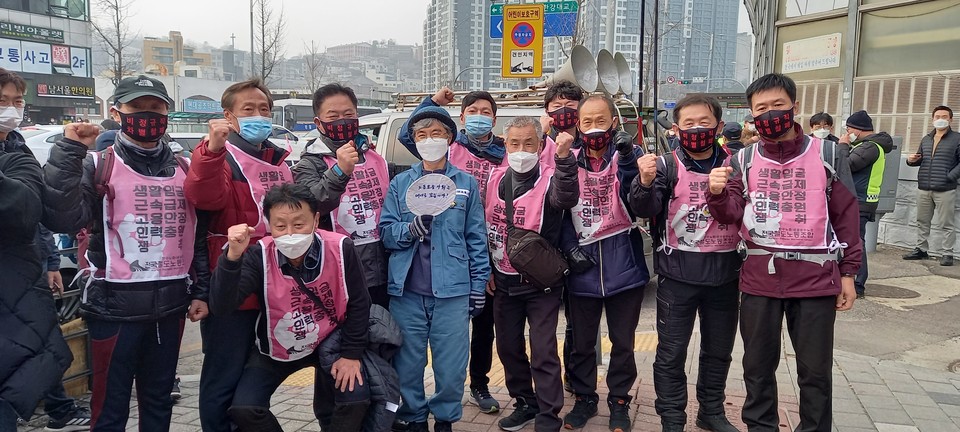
(255, 129)
(478, 125)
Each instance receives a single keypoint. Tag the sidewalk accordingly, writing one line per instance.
(870, 394)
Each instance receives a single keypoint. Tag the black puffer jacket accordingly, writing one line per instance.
(940, 171)
(384, 340)
(72, 203)
(34, 354)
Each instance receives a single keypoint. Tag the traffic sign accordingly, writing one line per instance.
(669, 104)
(560, 19)
(523, 48)
(699, 80)
(671, 79)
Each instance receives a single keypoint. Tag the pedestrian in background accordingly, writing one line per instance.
(821, 126)
(938, 157)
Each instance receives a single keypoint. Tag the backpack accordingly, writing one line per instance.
(103, 167)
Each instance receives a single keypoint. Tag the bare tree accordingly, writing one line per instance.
(314, 65)
(268, 38)
(115, 36)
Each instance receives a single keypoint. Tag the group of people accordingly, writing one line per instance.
(335, 265)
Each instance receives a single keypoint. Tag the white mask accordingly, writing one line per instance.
(941, 123)
(294, 245)
(821, 133)
(10, 118)
(522, 161)
(853, 137)
(432, 149)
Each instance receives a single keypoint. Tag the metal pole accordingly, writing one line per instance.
(253, 71)
(710, 64)
(611, 24)
(656, 69)
(643, 35)
(849, 55)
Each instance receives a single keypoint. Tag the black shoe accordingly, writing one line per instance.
(861, 295)
(522, 415)
(917, 254)
(619, 415)
(566, 383)
(442, 426)
(175, 393)
(946, 260)
(716, 423)
(583, 409)
(672, 427)
(77, 420)
(402, 426)
(480, 396)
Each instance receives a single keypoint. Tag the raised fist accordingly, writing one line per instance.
(648, 169)
(238, 239)
(718, 179)
(217, 137)
(443, 96)
(347, 157)
(564, 141)
(85, 133)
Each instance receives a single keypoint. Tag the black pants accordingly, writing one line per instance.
(678, 305)
(861, 280)
(623, 313)
(226, 344)
(810, 324)
(481, 346)
(262, 376)
(124, 350)
(567, 336)
(542, 312)
(379, 296)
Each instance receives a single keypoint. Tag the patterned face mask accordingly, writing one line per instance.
(698, 139)
(774, 124)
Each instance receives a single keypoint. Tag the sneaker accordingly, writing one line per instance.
(442, 426)
(522, 415)
(583, 409)
(946, 260)
(619, 415)
(716, 423)
(175, 393)
(78, 420)
(480, 397)
(917, 254)
(672, 427)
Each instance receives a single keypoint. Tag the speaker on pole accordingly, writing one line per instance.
(580, 69)
(607, 70)
(623, 70)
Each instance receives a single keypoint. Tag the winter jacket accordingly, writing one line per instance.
(939, 171)
(562, 194)
(49, 253)
(492, 151)
(867, 159)
(620, 263)
(459, 261)
(796, 279)
(707, 269)
(383, 341)
(34, 352)
(216, 185)
(72, 203)
(328, 187)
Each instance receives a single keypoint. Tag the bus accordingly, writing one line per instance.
(297, 114)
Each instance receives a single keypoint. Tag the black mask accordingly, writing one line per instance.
(143, 126)
(564, 118)
(698, 139)
(597, 140)
(342, 130)
(774, 124)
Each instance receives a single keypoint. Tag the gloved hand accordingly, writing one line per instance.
(420, 227)
(477, 301)
(624, 143)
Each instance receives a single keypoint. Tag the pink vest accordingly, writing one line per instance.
(149, 225)
(261, 176)
(297, 324)
(361, 204)
(787, 203)
(600, 213)
(549, 153)
(527, 214)
(690, 227)
(478, 167)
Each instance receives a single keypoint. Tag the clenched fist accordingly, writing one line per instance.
(217, 138)
(546, 122)
(443, 96)
(564, 141)
(648, 169)
(718, 179)
(238, 239)
(347, 157)
(85, 133)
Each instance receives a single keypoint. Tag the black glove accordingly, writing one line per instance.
(624, 143)
(420, 227)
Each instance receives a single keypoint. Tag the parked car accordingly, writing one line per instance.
(40, 139)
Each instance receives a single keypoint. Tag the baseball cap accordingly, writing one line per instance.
(732, 131)
(134, 87)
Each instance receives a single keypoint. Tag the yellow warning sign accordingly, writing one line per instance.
(522, 41)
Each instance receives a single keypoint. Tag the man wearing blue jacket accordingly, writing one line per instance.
(605, 232)
(438, 271)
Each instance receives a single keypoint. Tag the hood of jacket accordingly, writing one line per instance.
(882, 138)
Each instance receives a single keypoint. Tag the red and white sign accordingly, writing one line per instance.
(60, 55)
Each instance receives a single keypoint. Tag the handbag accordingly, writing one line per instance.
(537, 261)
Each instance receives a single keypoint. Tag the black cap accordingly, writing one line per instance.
(134, 87)
(860, 120)
(732, 131)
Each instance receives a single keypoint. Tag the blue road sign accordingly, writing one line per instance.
(669, 104)
(554, 24)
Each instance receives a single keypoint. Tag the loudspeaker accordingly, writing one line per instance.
(580, 69)
(609, 75)
(623, 70)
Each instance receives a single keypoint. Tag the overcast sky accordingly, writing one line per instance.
(329, 22)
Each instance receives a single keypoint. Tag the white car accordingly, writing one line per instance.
(40, 139)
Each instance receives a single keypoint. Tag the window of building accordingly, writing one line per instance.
(918, 36)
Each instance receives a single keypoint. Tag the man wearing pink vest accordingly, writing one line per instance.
(142, 231)
(350, 180)
(308, 284)
(540, 194)
(794, 198)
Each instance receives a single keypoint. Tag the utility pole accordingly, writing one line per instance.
(656, 70)
(710, 64)
(611, 25)
(252, 66)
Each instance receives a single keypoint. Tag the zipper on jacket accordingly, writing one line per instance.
(603, 291)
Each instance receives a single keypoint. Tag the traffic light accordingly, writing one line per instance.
(685, 82)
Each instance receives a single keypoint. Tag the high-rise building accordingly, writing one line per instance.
(628, 33)
(49, 45)
(456, 45)
(699, 42)
(160, 56)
